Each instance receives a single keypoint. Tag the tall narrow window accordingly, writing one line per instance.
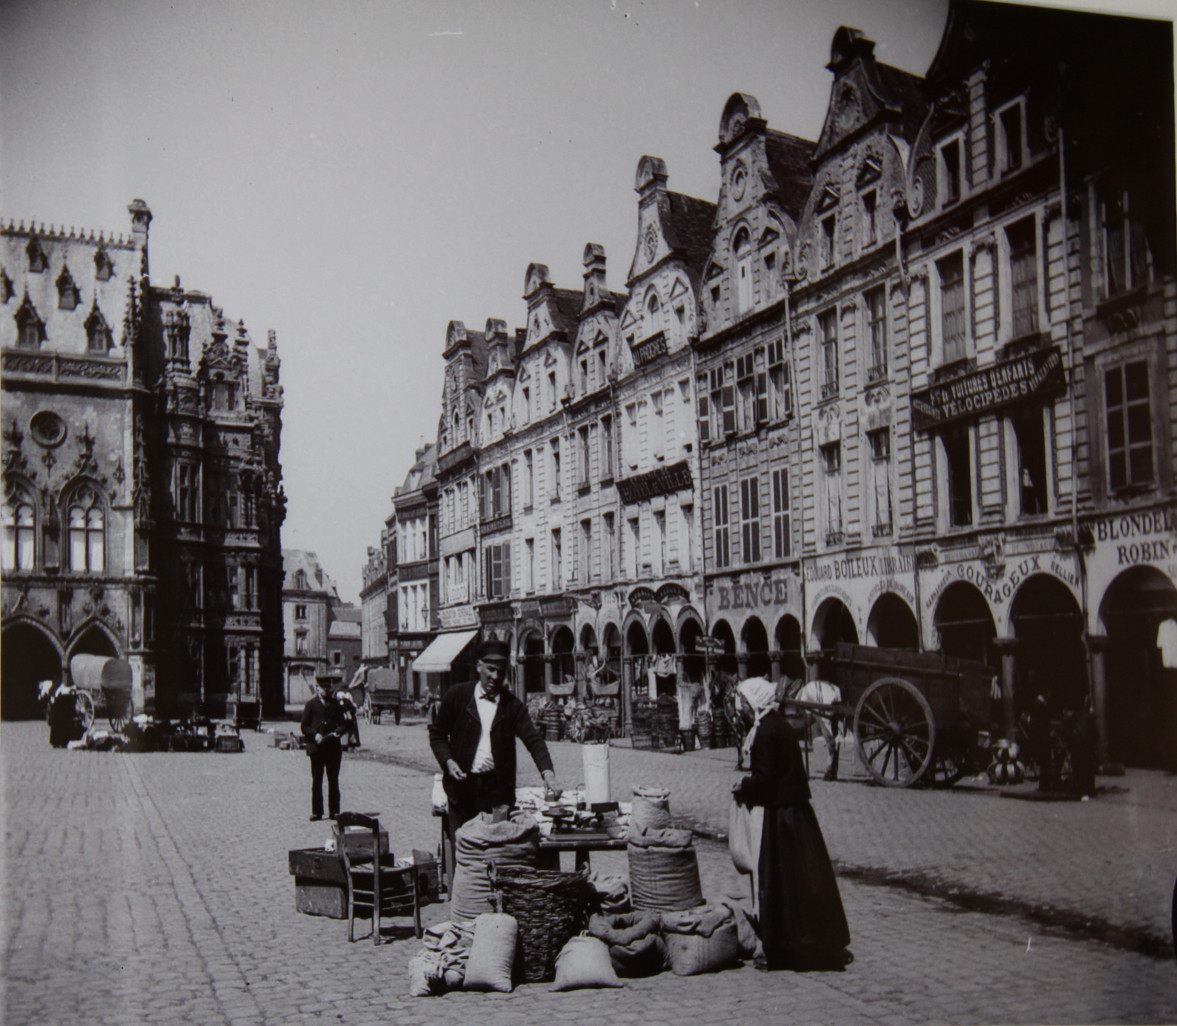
(584, 551)
(1023, 276)
(780, 387)
(1011, 145)
(952, 307)
(584, 375)
(1127, 260)
(829, 225)
(555, 469)
(880, 478)
(633, 557)
(608, 546)
(659, 544)
(528, 478)
(950, 172)
(582, 456)
(551, 390)
(746, 392)
(750, 519)
(87, 534)
(742, 249)
(781, 535)
(1030, 437)
(831, 461)
(876, 323)
(557, 558)
(607, 448)
(529, 565)
(704, 410)
(1129, 425)
(959, 462)
(19, 534)
(630, 442)
(723, 542)
(761, 386)
(657, 435)
(870, 228)
(827, 326)
(686, 541)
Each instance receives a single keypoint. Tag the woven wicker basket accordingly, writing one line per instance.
(550, 907)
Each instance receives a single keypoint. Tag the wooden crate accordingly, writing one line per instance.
(320, 884)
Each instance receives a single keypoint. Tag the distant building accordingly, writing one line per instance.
(316, 643)
(345, 642)
(374, 609)
(415, 504)
(142, 482)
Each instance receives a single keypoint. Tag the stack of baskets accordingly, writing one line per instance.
(640, 724)
(550, 907)
(553, 722)
(703, 728)
(665, 725)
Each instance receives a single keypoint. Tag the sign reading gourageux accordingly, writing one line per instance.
(1034, 376)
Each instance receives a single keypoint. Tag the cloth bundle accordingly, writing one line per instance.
(701, 940)
(636, 947)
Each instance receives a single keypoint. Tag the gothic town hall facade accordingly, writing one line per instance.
(142, 483)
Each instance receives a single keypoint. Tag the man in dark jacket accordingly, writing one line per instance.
(322, 724)
(473, 738)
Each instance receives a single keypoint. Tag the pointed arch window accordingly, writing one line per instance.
(98, 337)
(30, 330)
(20, 533)
(68, 296)
(86, 520)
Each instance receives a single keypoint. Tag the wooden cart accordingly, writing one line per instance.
(103, 688)
(915, 715)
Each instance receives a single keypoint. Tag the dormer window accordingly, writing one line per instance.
(67, 292)
(950, 167)
(103, 266)
(829, 227)
(1011, 136)
(584, 375)
(870, 227)
(30, 330)
(36, 257)
(552, 389)
(653, 313)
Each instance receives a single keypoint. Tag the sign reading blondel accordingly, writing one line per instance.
(1034, 376)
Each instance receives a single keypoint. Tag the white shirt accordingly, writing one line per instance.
(484, 760)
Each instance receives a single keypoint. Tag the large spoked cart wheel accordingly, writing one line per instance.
(84, 708)
(895, 732)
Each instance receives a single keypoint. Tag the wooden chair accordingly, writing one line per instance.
(376, 887)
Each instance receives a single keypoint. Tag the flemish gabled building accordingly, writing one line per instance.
(374, 607)
(143, 495)
(415, 505)
(750, 458)
(662, 612)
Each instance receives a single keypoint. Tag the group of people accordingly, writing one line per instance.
(472, 734)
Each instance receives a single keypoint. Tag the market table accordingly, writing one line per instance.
(582, 842)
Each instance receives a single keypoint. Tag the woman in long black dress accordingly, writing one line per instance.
(802, 923)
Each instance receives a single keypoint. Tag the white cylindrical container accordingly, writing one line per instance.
(596, 772)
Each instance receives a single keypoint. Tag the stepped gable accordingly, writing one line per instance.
(790, 159)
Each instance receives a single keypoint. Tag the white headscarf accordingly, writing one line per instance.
(760, 694)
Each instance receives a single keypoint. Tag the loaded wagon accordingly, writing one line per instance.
(916, 716)
(103, 688)
(384, 693)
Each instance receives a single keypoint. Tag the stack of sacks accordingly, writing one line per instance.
(509, 844)
(663, 869)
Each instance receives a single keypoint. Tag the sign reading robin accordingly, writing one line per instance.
(1034, 376)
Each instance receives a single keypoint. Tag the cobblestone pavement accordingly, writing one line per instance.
(154, 888)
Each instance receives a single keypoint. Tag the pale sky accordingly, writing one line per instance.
(354, 175)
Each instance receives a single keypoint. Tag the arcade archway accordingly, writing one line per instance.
(832, 622)
(892, 624)
(1141, 689)
(563, 660)
(532, 661)
(29, 657)
(693, 660)
(788, 643)
(755, 639)
(965, 624)
(1051, 660)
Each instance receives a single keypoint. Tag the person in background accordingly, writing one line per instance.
(322, 724)
(473, 738)
(802, 923)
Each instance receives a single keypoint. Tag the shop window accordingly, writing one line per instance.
(19, 534)
(723, 543)
(880, 481)
(781, 536)
(750, 519)
(1023, 276)
(1128, 408)
(876, 325)
(958, 461)
(953, 320)
(827, 328)
(831, 462)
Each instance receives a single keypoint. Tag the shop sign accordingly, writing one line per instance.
(753, 592)
(706, 643)
(556, 605)
(1139, 537)
(650, 349)
(662, 481)
(849, 568)
(498, 612)
(997, 588)
(642, 596)
(1036, 375)
(458, 616)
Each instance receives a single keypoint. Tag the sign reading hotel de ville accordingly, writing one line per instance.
(1034, 376)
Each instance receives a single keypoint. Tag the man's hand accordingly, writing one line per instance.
(454, 770)
(552, 788)
(318, 739)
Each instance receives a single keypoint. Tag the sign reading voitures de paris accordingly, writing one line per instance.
(1033, 376)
